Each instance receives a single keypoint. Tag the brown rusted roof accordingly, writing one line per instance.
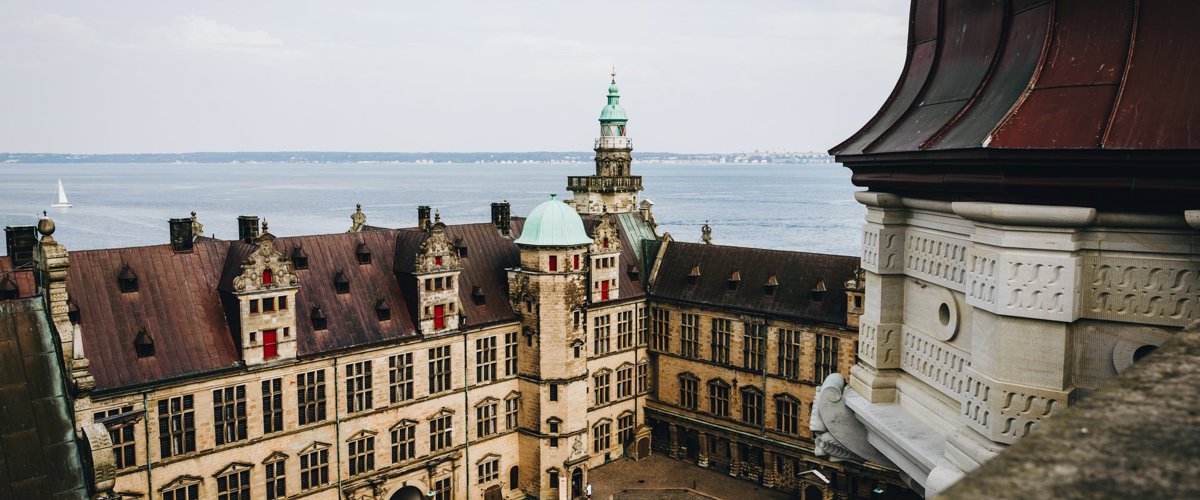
(177, 304)
(350, 317)
(20, 279)
(798, 274)
(1022, 100)
(489, 254)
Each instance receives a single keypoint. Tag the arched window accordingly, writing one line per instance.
(266, 276)
(514, 478)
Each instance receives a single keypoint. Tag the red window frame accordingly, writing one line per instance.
(267, 277)
(270, 344)
(576, 262)
(553, 263)
(604, 290)
(439, 317)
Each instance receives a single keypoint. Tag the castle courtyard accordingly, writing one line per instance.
(661, 477)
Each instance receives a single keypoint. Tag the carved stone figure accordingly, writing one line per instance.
(197, 228)
(706, 234)
(836, 433)
(357, 220)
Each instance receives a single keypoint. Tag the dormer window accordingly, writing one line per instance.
(734, 280)
(267, 276)
(694, 276)
(8, 288)
(340, 283)
(318, 318)
(72, 311)
(771, 285)
(477, 295)
(143, 344)
(818, 292)
(127, 280)
(461, 246)
(363, 253)
(299, 258)
(382, 310)
(632, 271)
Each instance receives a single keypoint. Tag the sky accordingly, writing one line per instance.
(696, 76)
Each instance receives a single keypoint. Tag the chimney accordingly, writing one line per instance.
(181, 235)
(20, 241)
(247, 228)
(502, 216)
(423, 216)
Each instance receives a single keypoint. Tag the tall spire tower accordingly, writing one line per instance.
(612, 189)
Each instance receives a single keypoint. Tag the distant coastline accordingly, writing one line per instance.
(354, 157)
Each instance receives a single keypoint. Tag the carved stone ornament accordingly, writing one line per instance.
(104, 461)
(576, 447)
(437, 253)
(605, 232)
(836, 433)
(263, 258)
(197, 228)
(357, 220)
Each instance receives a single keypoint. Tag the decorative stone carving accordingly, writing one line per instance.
(1006, 412)
(576, 448)
(938, 364)
(706, 234)
(937, 259)
(357, 219)
(197, 228)
(836, 433)
(1038, 288)
(104, 462)
(437, 253)
(55, 261)
(981, 278)
(264, 258)
(1153, 291)
(883, 249)
(605, 238)
(879, 344)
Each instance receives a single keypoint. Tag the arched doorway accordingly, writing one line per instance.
(812, 492)
(408, 493)
(577, 482)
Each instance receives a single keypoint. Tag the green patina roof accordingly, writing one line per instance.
(553, 224)
(613, 112)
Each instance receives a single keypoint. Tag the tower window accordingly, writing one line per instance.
(553, 263)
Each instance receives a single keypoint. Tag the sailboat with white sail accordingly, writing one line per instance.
(62, 197)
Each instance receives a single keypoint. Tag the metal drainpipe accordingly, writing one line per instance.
(762, 428)
(146, 429)
(337, 426)
(466, 407)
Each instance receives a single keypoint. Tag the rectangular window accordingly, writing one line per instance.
(689, 335)
(234, 486)
(553, 263)
(718, 399)
(600, 387)
(310, 396)
(688, 387)
(268, 304)
(283, 302)
(404, 443)
(601, 437)
(439, 369)
(122, 437)
(253, 306)
(187, 492)
(826, 357)
(624, 381)
(754, 349)
(660, 324)
(789, 353)
(362, 455)
(276, 479)
(443, 489)
(485, 420)
(643, 376)
(510, 354)
(604, 290)
(272, 405)
(720, 340)
(439, 433)
(600, 333)
(624, 329)
(270, 344)
(553, 431)
(553, 392)
(229, 414)
(489, 470)
(576, 259)
(439, 317)
(400, 377)
(511, 407)
(752, 407)
(485, 360)
(787, 413)
(624, 429)
(642, 337)
(314, 469)
(358, 387)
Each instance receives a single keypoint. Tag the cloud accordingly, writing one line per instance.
(201, 34)
(59, 26)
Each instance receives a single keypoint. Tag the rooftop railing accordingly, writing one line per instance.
(604, 184)
(614, 143)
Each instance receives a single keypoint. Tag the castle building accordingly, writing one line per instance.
(502, 359)
(1030, 230)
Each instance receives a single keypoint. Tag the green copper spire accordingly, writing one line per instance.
(613, 112)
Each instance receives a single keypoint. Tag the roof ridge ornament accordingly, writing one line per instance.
(358, 219)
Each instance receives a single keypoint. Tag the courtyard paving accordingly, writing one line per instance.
(661, 477)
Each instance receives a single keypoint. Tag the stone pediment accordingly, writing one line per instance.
(437, 253)
(605, 238)
(265, 268)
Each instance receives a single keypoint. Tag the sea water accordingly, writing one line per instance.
(781, 206)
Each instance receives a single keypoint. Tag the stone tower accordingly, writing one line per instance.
(548, 292)
(612, 189)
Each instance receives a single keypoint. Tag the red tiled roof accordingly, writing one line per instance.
(797, 273)
(177, 303)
